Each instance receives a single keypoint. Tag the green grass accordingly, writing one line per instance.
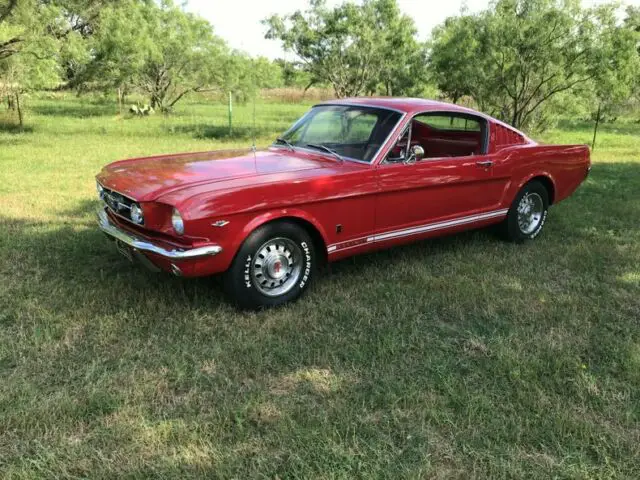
(463, 357)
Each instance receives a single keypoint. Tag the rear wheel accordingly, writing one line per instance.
(528, 213)
(275, 265)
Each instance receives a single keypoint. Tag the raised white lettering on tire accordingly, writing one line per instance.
(247, 269)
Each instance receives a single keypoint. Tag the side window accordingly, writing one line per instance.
(449, 134)
(449, 122)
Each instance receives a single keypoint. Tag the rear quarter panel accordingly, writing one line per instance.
(565, 166)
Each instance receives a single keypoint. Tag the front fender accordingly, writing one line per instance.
(280, 214)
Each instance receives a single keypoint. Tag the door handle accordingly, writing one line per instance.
(485, 163)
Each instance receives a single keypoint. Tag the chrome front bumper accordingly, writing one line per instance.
(138, 244)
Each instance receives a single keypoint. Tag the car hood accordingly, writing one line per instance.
(147, 179)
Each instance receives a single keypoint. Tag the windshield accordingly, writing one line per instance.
(347, 132)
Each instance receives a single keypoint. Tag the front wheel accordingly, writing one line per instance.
(528, 213)
(275, 265)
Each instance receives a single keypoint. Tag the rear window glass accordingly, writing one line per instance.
(448, 122)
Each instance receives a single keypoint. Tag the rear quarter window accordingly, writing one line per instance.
(502, 137)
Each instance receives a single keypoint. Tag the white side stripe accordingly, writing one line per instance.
(420, 229)
(439, 225)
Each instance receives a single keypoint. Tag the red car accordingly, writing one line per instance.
(349, 177)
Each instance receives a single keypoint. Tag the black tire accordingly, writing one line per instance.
(262, 257)
(512, 229)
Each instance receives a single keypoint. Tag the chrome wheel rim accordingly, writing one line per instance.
(276, 267)
(530, 211)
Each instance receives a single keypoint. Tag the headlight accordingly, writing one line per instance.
(136, 214)
(176, 221)
(100, 190)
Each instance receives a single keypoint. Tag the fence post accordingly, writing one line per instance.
(19, 109)
(595, 128)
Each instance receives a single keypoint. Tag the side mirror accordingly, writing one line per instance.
(417, 154)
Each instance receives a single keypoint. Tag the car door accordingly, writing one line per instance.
(435, 193)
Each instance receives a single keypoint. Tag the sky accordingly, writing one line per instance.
(238, 21)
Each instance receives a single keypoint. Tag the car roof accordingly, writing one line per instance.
(406, 105)
(413, 106)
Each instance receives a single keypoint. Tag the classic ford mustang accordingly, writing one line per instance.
(349, 177)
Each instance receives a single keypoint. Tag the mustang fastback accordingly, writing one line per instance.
(349, 177)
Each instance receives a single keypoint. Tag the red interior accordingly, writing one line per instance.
(445, 143)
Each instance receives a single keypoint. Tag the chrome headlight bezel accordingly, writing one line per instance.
(136, 214)
(177, 222)
(100, 190)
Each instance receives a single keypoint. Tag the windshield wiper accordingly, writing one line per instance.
(286, 142)
(326, 149)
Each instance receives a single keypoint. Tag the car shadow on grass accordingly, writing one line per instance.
(482, 355)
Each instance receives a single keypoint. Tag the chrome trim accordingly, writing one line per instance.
(120, 204)
(398, 126)
(408, 128)
(106, 205)
(405, 232)
(139, 244)
(133, 200)
(220, 223)
(438, 226)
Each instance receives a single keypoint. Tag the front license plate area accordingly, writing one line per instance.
(124, 250)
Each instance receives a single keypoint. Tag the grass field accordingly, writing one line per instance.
(463, 357)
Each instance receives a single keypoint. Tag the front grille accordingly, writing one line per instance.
(117, 203)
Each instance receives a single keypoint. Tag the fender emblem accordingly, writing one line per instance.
(220, 223)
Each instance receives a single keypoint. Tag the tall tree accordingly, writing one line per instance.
(401, 59)
(453, 56)
(632, 22)
(352, 47)
(118, 49)
(616, 82)
(23, 22)
(182, 55)
(523, 53)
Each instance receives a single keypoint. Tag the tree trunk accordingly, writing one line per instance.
(119, 101)
(230, 114)
(19, 109)
(514, 118)
(311, 83)
(595, 128)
